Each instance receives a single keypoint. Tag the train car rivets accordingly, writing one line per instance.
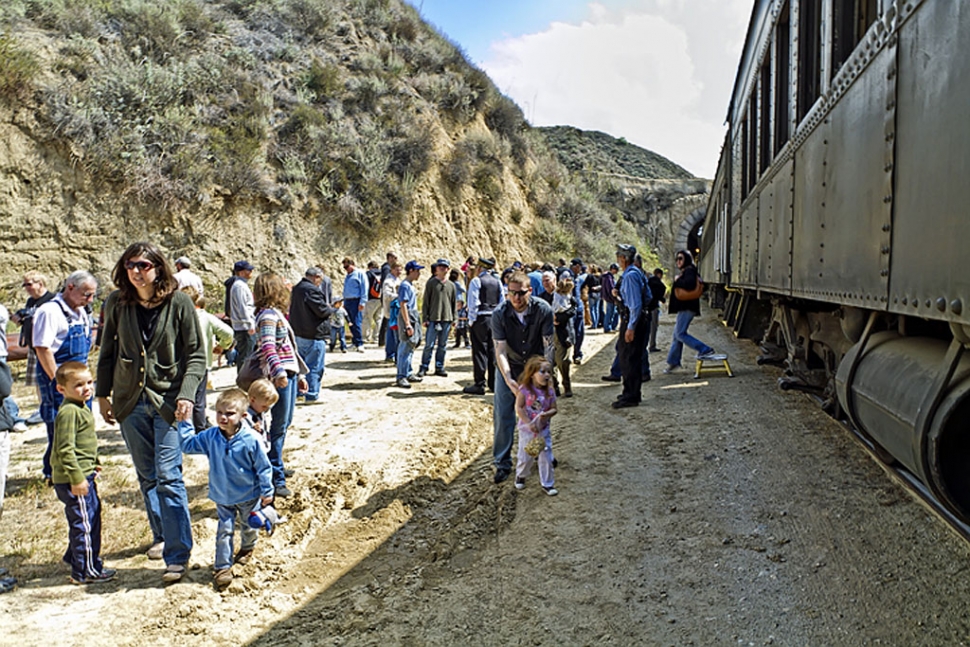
(956, 306)
(941, 304)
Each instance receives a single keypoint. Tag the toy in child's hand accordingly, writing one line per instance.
(535, 446)
(265, 518)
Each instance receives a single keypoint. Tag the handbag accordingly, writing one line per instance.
(690, 295)
(252, 369)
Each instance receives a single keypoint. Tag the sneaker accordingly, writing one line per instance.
(415, 378)
(35, 418)
(288, 472)
(222, 578)
(567, 394)
(577, 361)
(474, 389)
(20, 426)
(243, 556)
(283, 491)
(519, 483)
(7, 584)
(106, 575)
(441, 372)
(421, 372)
(551, 491)
(403, 383)
(671, 369)
(156, 551)
(501, 474)
(359, 349)
(611, 378)
(173, 573)
(654, 350)
(708, 355)
(343, 350)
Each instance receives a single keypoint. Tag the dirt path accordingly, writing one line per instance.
(722, 511)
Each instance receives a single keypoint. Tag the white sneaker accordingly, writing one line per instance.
(20, 426)
(711, 354)
(551, 491)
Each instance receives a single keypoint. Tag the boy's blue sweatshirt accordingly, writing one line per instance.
(239, 469)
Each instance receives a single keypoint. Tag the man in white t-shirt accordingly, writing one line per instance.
(62, 333)
(187, 277)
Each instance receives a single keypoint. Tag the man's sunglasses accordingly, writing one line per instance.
(518, 293)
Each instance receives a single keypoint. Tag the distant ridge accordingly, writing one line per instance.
(590, 150)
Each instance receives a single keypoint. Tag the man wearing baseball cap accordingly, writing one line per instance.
(407, 320)
(241, 311)
(438, 309)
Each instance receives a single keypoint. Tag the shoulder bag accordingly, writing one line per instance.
(690, 295)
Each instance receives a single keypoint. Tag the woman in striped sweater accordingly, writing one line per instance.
(281, 362)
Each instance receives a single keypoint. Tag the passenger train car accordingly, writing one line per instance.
(838, 230)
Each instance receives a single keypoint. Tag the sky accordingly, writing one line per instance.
(658, 73)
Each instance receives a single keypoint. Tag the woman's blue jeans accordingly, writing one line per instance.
(156, 452)
(282, 413)
(681, 338)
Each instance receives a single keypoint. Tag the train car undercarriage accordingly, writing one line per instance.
(902, 382)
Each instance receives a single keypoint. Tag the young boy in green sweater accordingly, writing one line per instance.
(74, 460)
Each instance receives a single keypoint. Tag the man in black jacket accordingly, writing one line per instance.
(310, 312)
(659, 291)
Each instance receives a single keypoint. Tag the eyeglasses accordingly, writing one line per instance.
(27, 284)
(141, 266)
(518, 293)
(88, 295)
(680, 258)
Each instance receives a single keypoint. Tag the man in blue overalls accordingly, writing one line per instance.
(62, 333)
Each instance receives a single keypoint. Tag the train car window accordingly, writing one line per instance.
(850, 21)
(782, 79)
(809, 55)
(765, 149)
(753, 140)
(744, 158)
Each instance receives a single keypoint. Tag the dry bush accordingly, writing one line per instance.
(18, 68)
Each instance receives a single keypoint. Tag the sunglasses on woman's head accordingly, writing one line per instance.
(141, 266)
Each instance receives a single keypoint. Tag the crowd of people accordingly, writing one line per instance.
(156, 343)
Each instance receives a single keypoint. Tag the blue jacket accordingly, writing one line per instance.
(239, 469)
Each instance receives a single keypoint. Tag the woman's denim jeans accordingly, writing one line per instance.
(157, 455)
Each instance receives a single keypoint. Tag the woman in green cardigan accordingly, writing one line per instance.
(151, 361)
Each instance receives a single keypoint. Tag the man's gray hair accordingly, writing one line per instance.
(79, 278)
(183, 261)
(549, 275)
(313, 272)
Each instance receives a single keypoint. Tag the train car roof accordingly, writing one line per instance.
(760, 11)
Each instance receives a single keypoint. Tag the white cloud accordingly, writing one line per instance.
(633, 73)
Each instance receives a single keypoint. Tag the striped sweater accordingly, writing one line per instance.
(272, 334)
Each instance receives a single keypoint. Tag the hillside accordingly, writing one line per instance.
(284, 131)
(590, 150)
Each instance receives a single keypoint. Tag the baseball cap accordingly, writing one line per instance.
(626, 250)
(443, 261)
(413, 265)
(487, 263)
(242, 265)
(183, 261)
(576, 261)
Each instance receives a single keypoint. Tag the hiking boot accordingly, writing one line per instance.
(243, 556)
(222, 578)
(283, 491)
(421, 373)
(501, 474)
(403, 383)
(474, 389)
(415, 378)
(173, 573)
(623, 404)
(611, 378)
(156, 551)
(441, 372)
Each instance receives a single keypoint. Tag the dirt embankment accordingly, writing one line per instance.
(722, 511)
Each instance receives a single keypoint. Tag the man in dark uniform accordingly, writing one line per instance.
(634, 326)
(484, 296)
(521, 327)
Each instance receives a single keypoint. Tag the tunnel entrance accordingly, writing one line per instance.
(694, 240)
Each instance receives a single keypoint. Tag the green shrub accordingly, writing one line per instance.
(18, 69)
(323, 79)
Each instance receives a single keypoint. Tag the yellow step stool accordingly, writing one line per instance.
(714, 364)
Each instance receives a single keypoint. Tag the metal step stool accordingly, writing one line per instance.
(715, 364)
